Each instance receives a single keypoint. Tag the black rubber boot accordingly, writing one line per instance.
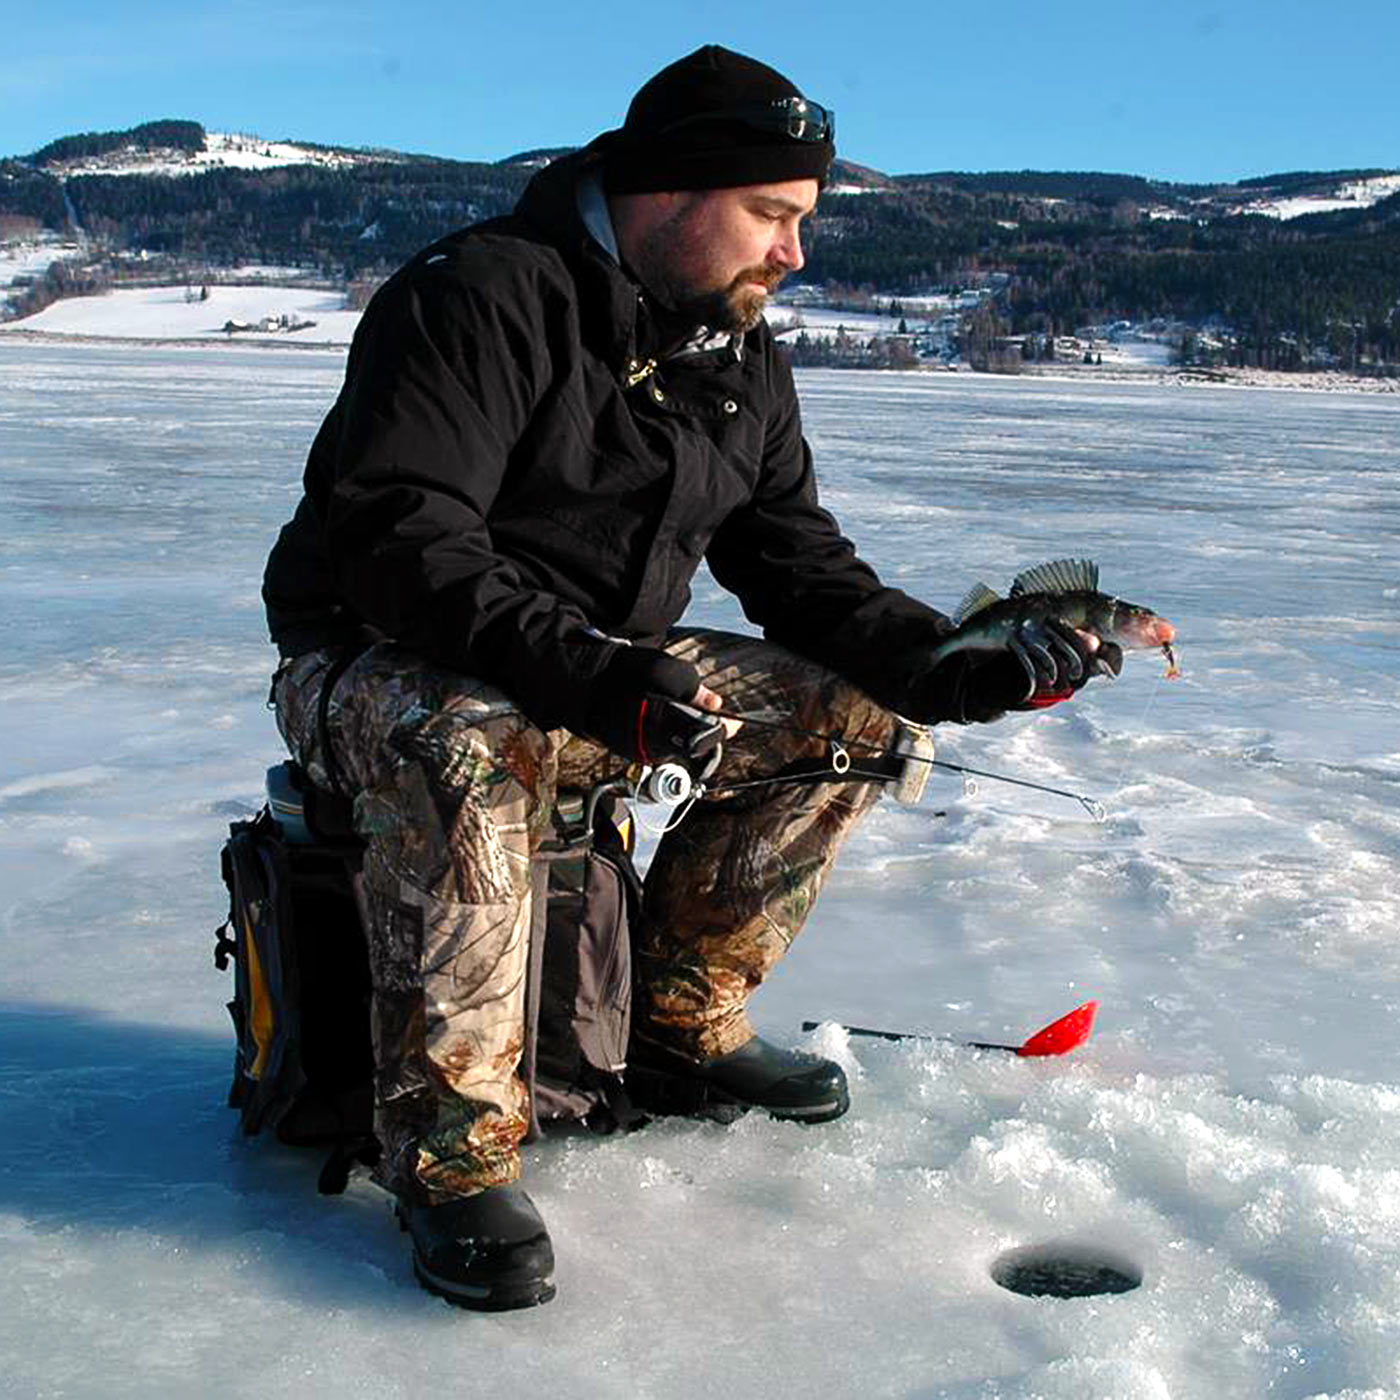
(785, 1083)
(490, 1251)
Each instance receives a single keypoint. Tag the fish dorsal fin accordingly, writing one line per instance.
(1059, 576)
(979, 596)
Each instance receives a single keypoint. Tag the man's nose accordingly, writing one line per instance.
(788, 250)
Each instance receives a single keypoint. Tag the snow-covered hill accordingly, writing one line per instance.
(1349, 194)
(222, 150)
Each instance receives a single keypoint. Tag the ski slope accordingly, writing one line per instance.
(1232, 1130)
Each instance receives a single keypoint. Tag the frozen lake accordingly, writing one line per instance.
(1233, 1128)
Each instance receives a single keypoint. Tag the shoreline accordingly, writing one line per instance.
(168, 342)
(1313, 381)
(1321, 381)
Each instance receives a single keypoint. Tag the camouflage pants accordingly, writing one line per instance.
(453, 791)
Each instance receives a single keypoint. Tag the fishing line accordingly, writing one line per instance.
(1142, 725)
(841, 756)
(674, 817)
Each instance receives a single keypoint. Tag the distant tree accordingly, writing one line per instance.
(980, 335)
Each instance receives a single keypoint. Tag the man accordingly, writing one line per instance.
(547, 422)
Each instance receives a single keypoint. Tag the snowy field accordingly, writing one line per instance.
(1233, 1130)
(169, 313)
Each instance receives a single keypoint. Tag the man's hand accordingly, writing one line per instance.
(1057, 660)
(651, 707)
(707, 699)
(1044, 663)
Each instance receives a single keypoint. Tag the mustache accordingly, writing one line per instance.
(771, 277)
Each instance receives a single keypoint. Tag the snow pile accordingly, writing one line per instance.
(1232, 1131)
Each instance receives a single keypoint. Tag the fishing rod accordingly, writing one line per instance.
(841, 764)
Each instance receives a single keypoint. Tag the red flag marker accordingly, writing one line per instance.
(1064, 1035)
(1058, 1038)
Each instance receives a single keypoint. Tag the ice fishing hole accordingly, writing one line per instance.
(1062, 1269)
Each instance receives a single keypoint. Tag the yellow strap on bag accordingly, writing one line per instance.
(262, 1018)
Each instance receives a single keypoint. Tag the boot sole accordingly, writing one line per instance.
(818, 1113)
(501, 1297)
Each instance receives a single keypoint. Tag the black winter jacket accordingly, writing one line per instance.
(500, 474)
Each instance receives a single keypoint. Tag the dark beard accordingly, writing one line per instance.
(736, 308)
(733, 309)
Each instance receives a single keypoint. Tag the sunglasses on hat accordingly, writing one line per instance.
(794, 117)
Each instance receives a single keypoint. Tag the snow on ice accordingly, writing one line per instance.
(1233, 1129)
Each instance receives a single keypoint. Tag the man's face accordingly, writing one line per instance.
(717, 254)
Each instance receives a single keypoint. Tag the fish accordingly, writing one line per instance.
(1067, 591)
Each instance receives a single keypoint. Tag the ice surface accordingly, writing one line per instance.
(1233, 1129)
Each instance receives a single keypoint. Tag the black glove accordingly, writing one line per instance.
(1055, 661)
(640, 708)
(1045, 662)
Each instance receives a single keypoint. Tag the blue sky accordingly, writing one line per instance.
(1182, 91)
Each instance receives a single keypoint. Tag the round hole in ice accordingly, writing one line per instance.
(1065, 1269)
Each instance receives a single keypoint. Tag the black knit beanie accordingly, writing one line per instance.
(712, 120)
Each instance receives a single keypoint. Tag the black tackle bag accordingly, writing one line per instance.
(295, 936)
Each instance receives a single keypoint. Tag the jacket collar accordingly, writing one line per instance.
(593, 210)
(608, 298)
(566, 205)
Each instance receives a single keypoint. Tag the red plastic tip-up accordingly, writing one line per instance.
(1064, 1035)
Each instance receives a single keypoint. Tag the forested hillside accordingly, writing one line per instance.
(1273, 284)
(1103, 248)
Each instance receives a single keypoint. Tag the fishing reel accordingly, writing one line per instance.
(666, 785)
